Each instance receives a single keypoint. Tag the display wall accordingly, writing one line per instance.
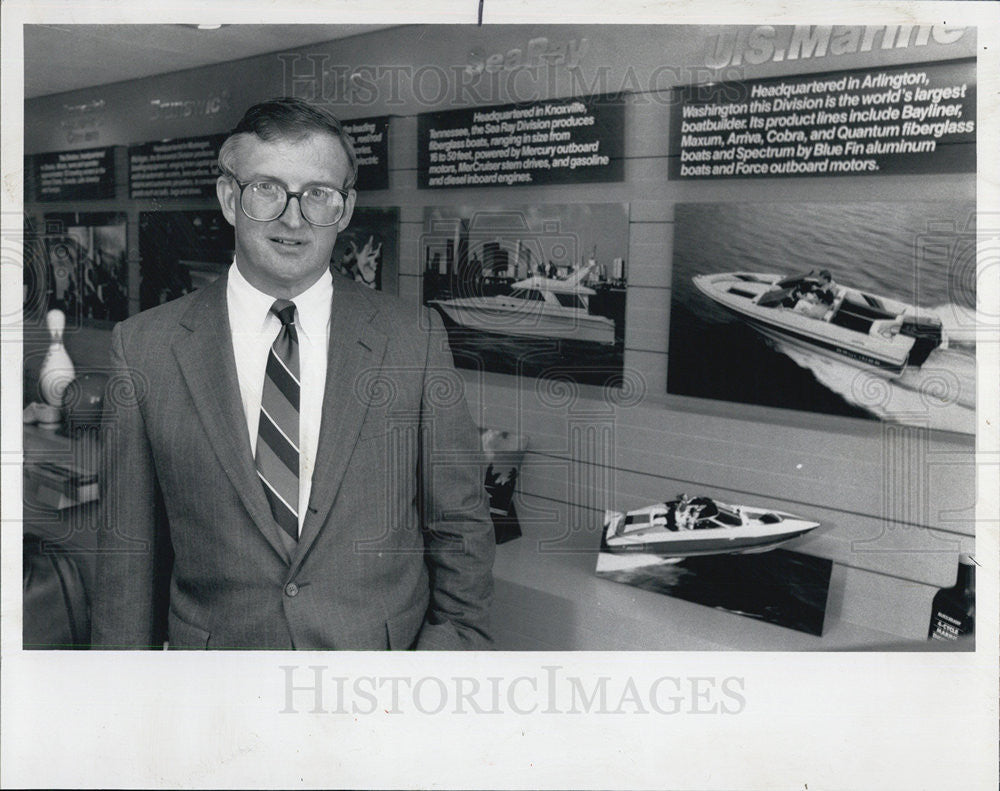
(894, 498)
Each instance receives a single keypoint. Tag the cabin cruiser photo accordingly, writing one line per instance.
(538, 306)
(812, 313)
(693, 526)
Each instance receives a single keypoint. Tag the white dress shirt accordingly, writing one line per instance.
(254, 329)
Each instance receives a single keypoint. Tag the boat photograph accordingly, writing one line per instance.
(875, 321)
(811, 312)
(536, 291)
(538, 306)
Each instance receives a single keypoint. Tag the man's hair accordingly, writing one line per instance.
(288, 118)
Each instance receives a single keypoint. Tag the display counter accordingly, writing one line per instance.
(66, 520)
(548, 598)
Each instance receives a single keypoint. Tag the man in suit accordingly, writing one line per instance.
(290, 462)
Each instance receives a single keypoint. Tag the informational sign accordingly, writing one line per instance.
(905, 119)
(71, 175)
(183, 168)
(371, 144)
(564, 141)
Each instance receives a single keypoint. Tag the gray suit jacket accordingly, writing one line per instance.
(397, 546)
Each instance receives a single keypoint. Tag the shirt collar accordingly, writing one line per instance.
(251, 307)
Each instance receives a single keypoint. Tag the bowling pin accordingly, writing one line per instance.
(57, 369)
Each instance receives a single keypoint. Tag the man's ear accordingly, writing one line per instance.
(345, 220)
(225, 190)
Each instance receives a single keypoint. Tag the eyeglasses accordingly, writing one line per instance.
(264, 201)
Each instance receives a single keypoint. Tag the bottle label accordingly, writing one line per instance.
(945, 627)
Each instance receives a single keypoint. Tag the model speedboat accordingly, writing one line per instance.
(812, 313)
(692, 526)
(537, 306)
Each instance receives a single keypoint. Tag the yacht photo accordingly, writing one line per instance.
(537, 306)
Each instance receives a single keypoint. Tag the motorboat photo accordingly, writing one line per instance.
(811, 312)
(694, 526)
(537, 306)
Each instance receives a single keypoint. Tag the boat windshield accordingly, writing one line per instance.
(728, 517)
(529, 294)
(775, 297)
(707, 506)
(795, 280)
(789, 291)
(811, 278)
(694, 513)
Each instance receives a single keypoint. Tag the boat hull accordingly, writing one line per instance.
(503, 316)
(787, 337)
(685, 546)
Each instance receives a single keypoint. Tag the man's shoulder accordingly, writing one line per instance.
(159, 319)
(390, 313)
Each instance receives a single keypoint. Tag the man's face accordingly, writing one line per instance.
(283, 257)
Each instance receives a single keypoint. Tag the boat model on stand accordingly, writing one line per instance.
(537, 306)
(812, 313)
(694, 526)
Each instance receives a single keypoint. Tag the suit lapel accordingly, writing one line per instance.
(355, 347)
(207, 363)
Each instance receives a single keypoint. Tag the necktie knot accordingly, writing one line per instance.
(285, 311)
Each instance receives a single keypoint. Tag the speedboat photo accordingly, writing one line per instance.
(537, 306)
(811, 312)
(693, 526)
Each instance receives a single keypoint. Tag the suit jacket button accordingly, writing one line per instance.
(291, 589)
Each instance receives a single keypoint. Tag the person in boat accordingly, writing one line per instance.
(813, 304)
(689, 511)
(811, 294)
(810, 281)
(788, 291)
(824, 290)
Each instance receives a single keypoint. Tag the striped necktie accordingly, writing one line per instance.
(277, 455)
